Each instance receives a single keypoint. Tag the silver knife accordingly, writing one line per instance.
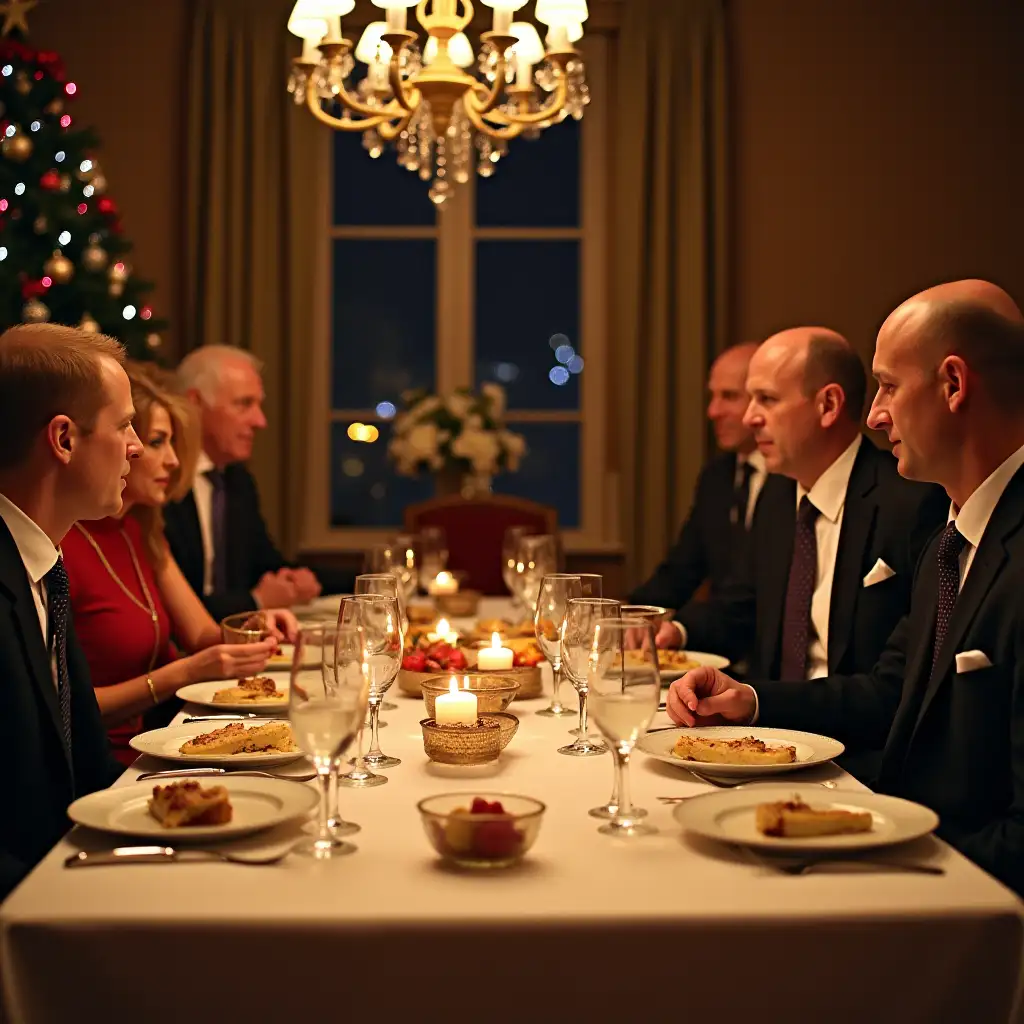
(189, 719)
(123, 855)
(186, 772)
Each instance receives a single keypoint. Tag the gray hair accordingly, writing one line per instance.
(202, 369)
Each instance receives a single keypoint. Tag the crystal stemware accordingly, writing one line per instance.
(553, 594)
(581, 617)
(390, 585)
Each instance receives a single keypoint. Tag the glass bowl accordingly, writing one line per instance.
(481, 840)
(494, 692)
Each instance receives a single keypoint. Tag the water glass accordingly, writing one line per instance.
(553, 594)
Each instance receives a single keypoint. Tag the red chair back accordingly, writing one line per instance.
(475, 528)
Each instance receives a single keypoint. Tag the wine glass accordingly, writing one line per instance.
(537, 557)
(431, 551)
(553, 594)
(388, 584)
(245, 628)
(344, 645)
(403, 563)
(581, 616)
(510, 555)
(625, 687)
(591, 584)
(326, 709)
(378, 615)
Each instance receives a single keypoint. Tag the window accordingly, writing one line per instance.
(507, 283)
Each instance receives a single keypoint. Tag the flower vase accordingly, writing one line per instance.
(451, 481)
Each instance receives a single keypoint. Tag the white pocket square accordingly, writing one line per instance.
(971, 661)
(879, 572)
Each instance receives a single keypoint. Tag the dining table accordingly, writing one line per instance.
(588, 927)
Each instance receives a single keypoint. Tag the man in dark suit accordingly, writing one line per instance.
(66, 422)
(216, 532)
(947, 694)
(837, 532)
(726, 496)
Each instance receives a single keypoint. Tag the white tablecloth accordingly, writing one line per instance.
(666, 927)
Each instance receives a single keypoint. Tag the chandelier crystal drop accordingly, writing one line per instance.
(444, 107)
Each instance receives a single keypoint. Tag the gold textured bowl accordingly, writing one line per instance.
(462, 605)
(494, 692)
(508, 723)
(481, 840)
(462, 744)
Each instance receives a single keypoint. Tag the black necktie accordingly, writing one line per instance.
(218, 524)
(57, 606)
(803, 572)
(951, 546)
(741, 497)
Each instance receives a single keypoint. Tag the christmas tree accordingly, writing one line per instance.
(63, 257)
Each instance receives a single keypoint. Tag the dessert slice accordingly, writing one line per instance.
(181, 804)
(748, 750)
(274, 737)
(790, 819)
(258, 690)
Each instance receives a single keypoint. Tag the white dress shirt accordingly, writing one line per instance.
(828, 496)
(972, 519)
(758, 475)
(202, 494)
(39, 556)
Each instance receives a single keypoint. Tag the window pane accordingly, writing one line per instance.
(537, 185)
(376, 192)
(365, 490)
(519, 344)
(383, 341)
(550, 472)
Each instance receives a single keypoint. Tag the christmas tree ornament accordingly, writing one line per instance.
(22, 83)
(88, 324)
(15, 14)
(118, 273)
(35, 312)
(153, 340)
(59, 267)
(50, 181)
(17, 148)
(107, 206)
(40, 224)
(94, 257)
(65, 183)
(99, 184)
(55, 107)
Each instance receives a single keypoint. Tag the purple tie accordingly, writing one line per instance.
(951, 545)
(803, 571)
(219, 522)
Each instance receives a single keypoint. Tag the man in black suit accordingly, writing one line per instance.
(216, 532)
(66, 422)
(837, 532)
(947, 694)
(726, 496)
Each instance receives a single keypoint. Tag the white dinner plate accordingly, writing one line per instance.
(702, 658)
(257, 804)
(281, 659)
(730, 817)
(165, 744)
(811, 749)
(202, 693)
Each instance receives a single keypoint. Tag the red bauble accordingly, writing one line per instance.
(50, 181)
(32, 290)
(115, 228)
(107, 206)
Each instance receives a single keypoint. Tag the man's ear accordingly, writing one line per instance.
(954, 378)
(830, 404)
(192, 394)
(62, 437)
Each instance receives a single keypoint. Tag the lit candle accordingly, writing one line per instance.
(558, 39)
(443, 583)
(396, 19)
(524, 74)
(310, 51)
(444, 632)
(456, 707)
(495, 658)
(502, 20)
(333, 29)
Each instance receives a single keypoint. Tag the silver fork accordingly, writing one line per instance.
(165, 855)
(801, 867)
(191, 773)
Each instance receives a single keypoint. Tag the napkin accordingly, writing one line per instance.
(879, 572)
(971, 661)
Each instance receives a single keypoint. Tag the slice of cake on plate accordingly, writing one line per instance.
(181, 804)
(258, 690)
(747, 750)
(790, 819)
(272, 738)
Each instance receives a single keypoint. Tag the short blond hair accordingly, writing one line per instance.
(47, 370)
(153, 386)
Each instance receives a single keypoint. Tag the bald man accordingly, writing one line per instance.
(725, 499)
(947, 695)
(838, 533)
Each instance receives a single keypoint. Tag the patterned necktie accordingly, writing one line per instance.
(951, 546)
(57, 605)
(219, 522)
(803, 571)
(741, 498)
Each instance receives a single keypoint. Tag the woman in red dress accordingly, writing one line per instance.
(129, 597)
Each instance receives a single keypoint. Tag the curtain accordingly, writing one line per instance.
(256, 170)
(669, 258)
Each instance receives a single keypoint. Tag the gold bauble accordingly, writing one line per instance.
(94, 257)
(56, 107)
(17, 148)
(35, 312)
(89, 325)
(22, 83)
(153, 340)
(59, 267)
(65, 183)
(40, 225)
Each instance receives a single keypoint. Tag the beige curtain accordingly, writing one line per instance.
(255, 169)
(669, 258)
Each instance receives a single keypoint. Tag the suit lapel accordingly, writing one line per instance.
(14, 580)
(777, 506)
(859, 514)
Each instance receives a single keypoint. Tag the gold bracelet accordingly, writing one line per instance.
(152, 689)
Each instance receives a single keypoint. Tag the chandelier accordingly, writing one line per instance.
(440, 118)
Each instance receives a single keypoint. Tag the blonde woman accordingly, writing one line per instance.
(128, 596)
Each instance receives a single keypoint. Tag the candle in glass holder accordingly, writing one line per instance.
(456, 707)
(495, 658)
(443, 632)
(443, 583)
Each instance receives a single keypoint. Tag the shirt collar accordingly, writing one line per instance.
(203, 465)
(828, 495)
(977, 510)
(756, 461)
(36, 549)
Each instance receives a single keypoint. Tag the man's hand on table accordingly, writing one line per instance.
(706, 696)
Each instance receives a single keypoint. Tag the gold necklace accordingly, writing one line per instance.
(150, 606)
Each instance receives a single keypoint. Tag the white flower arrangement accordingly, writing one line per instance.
(462, 431)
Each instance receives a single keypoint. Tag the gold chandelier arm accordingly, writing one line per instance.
(346, 124)
(389, 132)
(489, 98)
(477, 121)
(546, 113)
(347, 100)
